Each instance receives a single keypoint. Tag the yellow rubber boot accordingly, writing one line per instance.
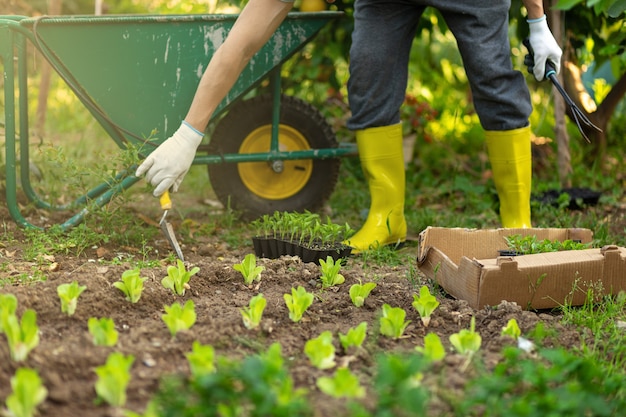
(511, 162)
(382, 161)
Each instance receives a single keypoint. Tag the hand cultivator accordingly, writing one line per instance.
(137, 74)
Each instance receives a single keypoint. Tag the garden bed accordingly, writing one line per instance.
(66, 357)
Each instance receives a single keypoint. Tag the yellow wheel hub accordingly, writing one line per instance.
(260, 178)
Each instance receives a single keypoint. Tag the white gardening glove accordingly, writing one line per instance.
(544, 46)
(167, 165)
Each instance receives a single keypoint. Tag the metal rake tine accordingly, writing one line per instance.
(575, 113)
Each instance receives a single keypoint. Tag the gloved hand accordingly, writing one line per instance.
(544, 46)
(167, 165)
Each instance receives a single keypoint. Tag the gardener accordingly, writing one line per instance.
(381, 42)
(379, 60)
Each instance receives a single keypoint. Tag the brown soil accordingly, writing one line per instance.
(66, 357)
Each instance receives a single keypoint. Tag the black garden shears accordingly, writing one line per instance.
(579, 117)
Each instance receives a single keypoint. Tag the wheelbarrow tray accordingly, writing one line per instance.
(137, 74)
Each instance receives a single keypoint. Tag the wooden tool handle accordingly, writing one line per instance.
(165, 201)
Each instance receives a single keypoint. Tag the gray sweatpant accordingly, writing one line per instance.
(381, 43)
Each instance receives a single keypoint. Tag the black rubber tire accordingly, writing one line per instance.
(296, 116)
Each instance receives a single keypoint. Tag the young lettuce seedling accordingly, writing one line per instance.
(467, 342)
(249, 270)
(511, 329)
(321, 351)
(425, 304)
(68, 294)
(8, 306)
(103, 331)
(131, 284)
(433, 349)
(392, 323)
(359, 292)
(355, 337)
(28, 393)
(330, 272)
(178, 318)
(201, 359)
(254, 311)
(343, 384)
(22, 337)
(113, 379)
(298, 302)
(178, 277)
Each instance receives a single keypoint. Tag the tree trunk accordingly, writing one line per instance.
(564, 162)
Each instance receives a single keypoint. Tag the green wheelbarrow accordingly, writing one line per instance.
(137, 74)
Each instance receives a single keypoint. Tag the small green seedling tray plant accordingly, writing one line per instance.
(433, 349)
(354, 338)
(530, 244)
(344, 384)
(68, 295)
(249, 269)
(321, 351)
(300, 234)
(179, 318)
(113, 379)
(298, 302)
(28, 393)
(359, 292)
(178, 277)
(392, 322)
(330, 272)
(23, 336)
(102, 331)
(201, 359)
(425, 304)
(131, 284)
(254, 311)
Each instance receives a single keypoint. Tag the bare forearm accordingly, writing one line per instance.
(255, 25)
(534, 8)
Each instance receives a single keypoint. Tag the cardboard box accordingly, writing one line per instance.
(467, 265)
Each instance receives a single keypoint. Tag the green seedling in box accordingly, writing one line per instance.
(359, 292)
(179, 318)
(321, 351)
(113, 379)
(103, 331)
(201, 359)
(511, 329)
(433, 349)
(343, 384)
(28, 393)
(392, 323)
(425, 304)
(131, 284)
(330, 272)
(254, 311)
(68, 294)
(249, 270)
(178, 277)
(355, 336)
(8, 306)
(22, 336)
(526, 245)
(298, 302)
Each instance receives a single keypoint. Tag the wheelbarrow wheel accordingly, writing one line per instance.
(258, 188)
